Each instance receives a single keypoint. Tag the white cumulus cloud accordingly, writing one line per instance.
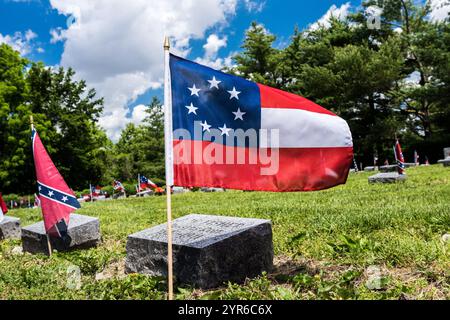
(440, 10)
(22, 42)
(213, 45)
(116, 45)
(334, 11)
(254, 5)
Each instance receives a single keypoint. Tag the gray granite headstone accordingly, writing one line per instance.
(446, 153)
(409, 165)
(446, 160)
(83, 232)
(387, 177)
(370, 168)
(388, 168)
(207, 250)
(10, 228)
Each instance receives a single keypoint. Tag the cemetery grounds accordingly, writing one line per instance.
(356, 241)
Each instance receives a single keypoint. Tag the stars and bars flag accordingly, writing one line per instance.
(118, 186)
(57, 199)
(96, 190)
(3, 208)
(145, 183)
(399, 158)
(313, 146)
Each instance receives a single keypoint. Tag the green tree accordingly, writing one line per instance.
(65, 114)
(140, 149)
(259, 59)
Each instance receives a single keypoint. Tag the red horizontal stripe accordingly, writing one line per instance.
(275, 98)
(300, 169)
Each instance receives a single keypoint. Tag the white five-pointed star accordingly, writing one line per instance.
(194, 91)
(234, 93)
(225, 130)
(214, 83)
(206, 126)
(64, 199)
(239, 114)
(50, 193)
(40, 188)
(192, 109)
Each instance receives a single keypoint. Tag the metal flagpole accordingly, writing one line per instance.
(169, 161)
(49, 245)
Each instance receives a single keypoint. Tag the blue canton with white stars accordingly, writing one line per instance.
(58, 196)
(215, 99)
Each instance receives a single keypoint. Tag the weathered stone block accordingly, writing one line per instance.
(10, 228)
(446, 153)
(409, 165)
(445, 162)
(387, 177)
(207, 250)
(370, 168)
(389, 168)
(83, 232)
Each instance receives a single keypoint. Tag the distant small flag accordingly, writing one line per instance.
(416, 158)
(118, 186)
(427, 163)
(375, 160)
(3, 208)
(399, 158)
(96, 191)
(147, 183)
(57, 199)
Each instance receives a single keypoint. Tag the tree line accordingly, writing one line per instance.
(386, 82)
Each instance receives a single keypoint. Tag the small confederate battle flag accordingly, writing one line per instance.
(57, 199)
(399, 158)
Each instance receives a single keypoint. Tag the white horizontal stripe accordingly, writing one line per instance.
(304, 129)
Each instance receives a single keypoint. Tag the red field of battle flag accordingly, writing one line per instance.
(56, 198)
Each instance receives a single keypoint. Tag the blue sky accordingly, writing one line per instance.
(116, 44)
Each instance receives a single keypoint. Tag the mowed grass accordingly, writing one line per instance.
(356, 241)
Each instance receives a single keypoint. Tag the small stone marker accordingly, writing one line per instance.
(370, 168)
(83, 231)
(207, 250)
(10, 228)
(446, 160)
(388, 168)
(387, 177)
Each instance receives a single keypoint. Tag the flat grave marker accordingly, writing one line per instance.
(207, 250)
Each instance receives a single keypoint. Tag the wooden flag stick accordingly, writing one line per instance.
(49, 245)
(169, 162)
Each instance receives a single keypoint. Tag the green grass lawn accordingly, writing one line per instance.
(356, 241)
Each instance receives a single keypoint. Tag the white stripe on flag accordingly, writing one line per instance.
(305, 129)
